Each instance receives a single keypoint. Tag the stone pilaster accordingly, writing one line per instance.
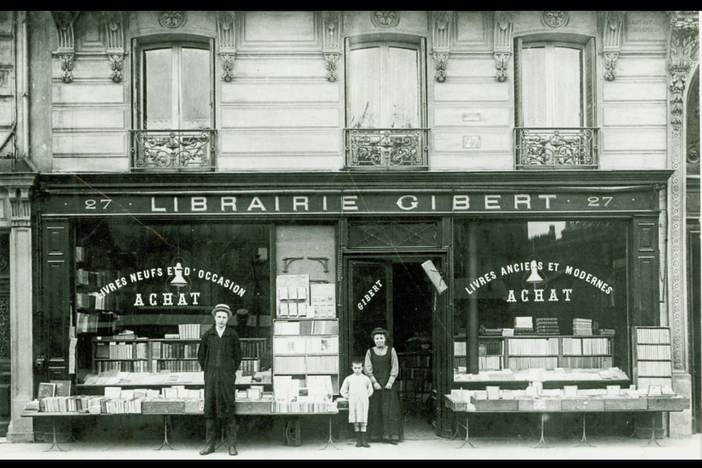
(682, 56)
(22, 387)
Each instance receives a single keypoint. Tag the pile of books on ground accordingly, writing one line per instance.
(582, 327)
(547, 326)
(523, 326)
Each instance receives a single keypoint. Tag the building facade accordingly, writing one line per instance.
(439, 174)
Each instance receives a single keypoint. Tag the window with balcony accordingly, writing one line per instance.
(555, 105)
(385, 104)
(173, 106)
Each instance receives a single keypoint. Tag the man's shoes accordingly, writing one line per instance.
(232, 451)
(392, 441)
(364, 440)
(207, 450)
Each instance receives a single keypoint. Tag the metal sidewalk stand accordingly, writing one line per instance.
(165, 434)
(330, 440)
(584, 440)
(55, 442)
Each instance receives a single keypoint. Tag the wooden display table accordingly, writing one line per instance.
(580, 404)
(243, 408)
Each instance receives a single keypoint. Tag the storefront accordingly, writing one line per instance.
(443, 261)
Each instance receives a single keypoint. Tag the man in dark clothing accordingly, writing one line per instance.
(219, 356)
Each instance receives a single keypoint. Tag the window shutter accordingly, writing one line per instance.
(137, 114)
(590, 84)
(518, 117)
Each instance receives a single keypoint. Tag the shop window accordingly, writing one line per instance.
(547, 295)
(385, 104)
(143, 295)
(555, 104)
(173, 106)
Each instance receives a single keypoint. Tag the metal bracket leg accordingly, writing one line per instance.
(584, 440)
(165, 435)
(55, 442)
(330, 440)
(542, 442)
(653, 431)
(467, 441)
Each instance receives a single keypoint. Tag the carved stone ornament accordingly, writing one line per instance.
(171, 19)
(227, 67)
(682, 55)
(67, 67)
(331, 61)
(116, 63)
(610, 66)
(501, 62)
(555, 19)
(440, 63)
(385, 19)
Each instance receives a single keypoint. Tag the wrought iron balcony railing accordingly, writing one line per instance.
(386, 148)
(556, 148)
(173, 150)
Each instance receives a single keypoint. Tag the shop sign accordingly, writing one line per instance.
(535, 281)
(365, 300)
(178, 282)
(347, 203)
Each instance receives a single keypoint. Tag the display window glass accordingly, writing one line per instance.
(156, 282)
(549, 295)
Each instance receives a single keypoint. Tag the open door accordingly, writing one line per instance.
(370, 299)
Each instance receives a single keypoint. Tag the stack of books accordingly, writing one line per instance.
(190, 331)
(606, 331)
(582, 327)
(492, 332)
(523, 326)
(547, 326)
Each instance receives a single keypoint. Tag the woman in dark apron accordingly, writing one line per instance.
(382, 367)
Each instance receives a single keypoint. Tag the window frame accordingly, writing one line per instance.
(139, 48)
(587, 72)
(385, 41)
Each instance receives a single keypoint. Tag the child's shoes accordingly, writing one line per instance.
(359, 439)
(364, 441)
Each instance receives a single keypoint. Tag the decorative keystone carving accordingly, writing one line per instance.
(503, 43)
(331, 42)
(555, 19)
(227, 67)
(227, 43)
(440, 63)
(610, 65)
(67, 67)
(172, 19)
(114, 32)
(612, 36)
(442, 41)
(385, 19)
(331, 61)
(501, 63)
(64, 21)
(116, 63)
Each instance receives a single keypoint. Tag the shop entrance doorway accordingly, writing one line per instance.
(396, 294)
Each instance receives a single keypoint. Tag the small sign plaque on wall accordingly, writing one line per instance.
(472, 142)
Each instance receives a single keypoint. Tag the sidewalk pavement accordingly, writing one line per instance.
(435, 448)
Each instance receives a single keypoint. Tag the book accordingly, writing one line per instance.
(63, 388)
(46, 390)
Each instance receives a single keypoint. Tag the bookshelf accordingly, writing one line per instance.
(306, 347)
(174, 355)
(547, 352)
(651, 357)
(415, 380)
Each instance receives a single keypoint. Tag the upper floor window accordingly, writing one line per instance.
(386, 103)
(555, 103)
(173, 105)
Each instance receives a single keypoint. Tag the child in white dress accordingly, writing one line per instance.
(357, 389)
